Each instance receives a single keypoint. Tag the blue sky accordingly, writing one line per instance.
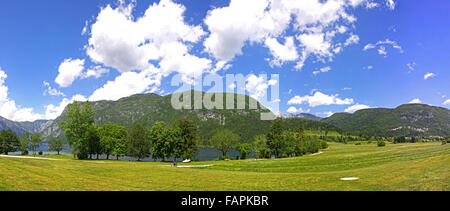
(53, 52)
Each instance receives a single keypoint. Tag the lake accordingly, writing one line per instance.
(204, 154)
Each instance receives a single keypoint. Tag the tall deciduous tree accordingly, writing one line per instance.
(56, 144)
(120, 148)
(301, 145)
(112, 139)
(189, 136)
(274, 137)
(138, 144)
(9, 142)
(78, 127)
(93, 140)
(174, 144)
(261, 148)
(224, 140)
(25, 141)
(166, 142)
(289, 143)
(158, 134)
(36, 140)
(244, 149)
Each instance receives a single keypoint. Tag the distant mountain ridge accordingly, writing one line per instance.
(22, 127)
(405, 120)
(307, 116)
(301, 116)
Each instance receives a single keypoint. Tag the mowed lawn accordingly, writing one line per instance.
(421, 166)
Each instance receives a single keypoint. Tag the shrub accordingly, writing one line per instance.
(444, 142)
(381, 143)
(323, 144)
(244, 150)
(358, 143)
(40, 153)
(400, 139)
(223, 158)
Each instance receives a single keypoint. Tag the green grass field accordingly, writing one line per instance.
(421, 166)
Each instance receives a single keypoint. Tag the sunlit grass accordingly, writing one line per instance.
(421, 166)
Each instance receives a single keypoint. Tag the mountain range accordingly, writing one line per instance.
(147, 109)
(405, 120)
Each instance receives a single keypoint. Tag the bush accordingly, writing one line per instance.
(24, 152)
(323, 144)
(444, 142)
(401, 139)
(381, 144)
(244, 150)
(223, 158)
(358, 143)
(40, 153)
(82, 156)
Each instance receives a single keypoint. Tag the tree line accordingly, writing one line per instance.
(277, 142)
(160, 141)
(11, 142)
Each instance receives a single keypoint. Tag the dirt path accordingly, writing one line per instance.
(26, 157)
(317, 153)
(197, 166)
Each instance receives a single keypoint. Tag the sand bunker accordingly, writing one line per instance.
(349, 178)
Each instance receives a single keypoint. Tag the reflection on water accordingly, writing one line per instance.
(204, 154)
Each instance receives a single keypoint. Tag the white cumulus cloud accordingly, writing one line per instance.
(127, 84)
(282, 53)
(429, 75)
(319, 99)
(353, 39)
(126, 43)
(54, 111)
(52, 91)
(96, 72)
(68, 71)
(266, 21)
(8, 107)
(293, 110)
(325, 114)
(356, 107)
(415, 101)
(257, 86)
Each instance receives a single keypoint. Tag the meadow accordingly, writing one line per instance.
(398, 167)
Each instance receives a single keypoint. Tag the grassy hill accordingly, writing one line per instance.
(405, 120)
